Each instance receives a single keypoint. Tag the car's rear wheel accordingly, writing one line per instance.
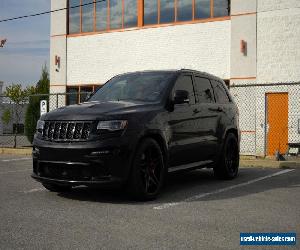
(56, 188)
(147, 173)
(228, 164)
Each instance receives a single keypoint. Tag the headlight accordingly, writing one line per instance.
(40, 126)
(115, 125)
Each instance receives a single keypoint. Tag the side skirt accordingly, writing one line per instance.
(194, 165)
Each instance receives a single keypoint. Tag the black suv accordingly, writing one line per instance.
(135, 129)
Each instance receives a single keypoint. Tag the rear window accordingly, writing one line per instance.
(220, 93)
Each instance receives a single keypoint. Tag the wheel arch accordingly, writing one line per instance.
(229, 130)
(160, 139)
(232, 130)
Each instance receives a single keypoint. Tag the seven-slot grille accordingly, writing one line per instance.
(67, 130)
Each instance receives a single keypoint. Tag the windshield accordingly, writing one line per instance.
(143, 87)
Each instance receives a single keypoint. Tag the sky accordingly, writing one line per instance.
(28, 41)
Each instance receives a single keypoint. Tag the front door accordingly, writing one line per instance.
(277, 123)
(182, 122)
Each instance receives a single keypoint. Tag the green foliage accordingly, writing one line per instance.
(19, 97)
(31, 117)
(6, 116)
(33, 111)
(43, 84)
(17, 94)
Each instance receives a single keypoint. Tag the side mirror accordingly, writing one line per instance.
(181, 96)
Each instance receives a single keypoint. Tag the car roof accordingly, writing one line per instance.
(202, 73)
(210, 76)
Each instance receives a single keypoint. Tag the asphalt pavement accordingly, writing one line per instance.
(195, 211)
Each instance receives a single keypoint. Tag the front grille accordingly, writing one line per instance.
(67, 130)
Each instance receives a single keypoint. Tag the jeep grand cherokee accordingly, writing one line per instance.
(137, 128)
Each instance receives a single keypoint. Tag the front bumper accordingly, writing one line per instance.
(109, 181)
(91, 163)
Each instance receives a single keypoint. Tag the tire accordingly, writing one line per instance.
(147, 171)
(228, 164)
(56, 188)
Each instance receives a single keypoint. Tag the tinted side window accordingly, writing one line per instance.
(185, 82)
(220, 93)
(203, 90)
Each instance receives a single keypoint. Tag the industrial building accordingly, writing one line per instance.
(242, 41)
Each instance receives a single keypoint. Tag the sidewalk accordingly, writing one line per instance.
(268, 163)
(16, 151)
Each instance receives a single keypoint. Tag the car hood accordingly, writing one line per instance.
(97, 110)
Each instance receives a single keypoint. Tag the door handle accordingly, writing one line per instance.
(218, 109)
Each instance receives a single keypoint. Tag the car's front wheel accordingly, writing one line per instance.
(228, 164)
(148, 170)
(56, 188)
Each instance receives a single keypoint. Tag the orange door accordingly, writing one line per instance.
(277, 122)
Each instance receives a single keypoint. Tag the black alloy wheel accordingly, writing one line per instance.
(147, 171)
(228, 164)
(231, 156)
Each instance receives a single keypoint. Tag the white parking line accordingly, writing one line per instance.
(33, 190)
(16, 171)
(199, 196)
(17, 159)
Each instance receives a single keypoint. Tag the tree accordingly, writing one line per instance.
(6, 116)
(33, 111)
(19, 98)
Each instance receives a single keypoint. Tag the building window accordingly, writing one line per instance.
(87, 16)
(130, 13)
(184, 10)
(84, 92)
(92, 15)
(221, 8)
(101, 16)
(115, 7)
(167, 11)
(74, 16)
(202, 9)
(78, 94)
(72, 95)
(150, 12)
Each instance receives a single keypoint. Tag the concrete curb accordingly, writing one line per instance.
(269, 164)
(16, 151)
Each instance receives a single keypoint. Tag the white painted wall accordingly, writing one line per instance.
(243, 28)
(242, 6)
(278, 41)
(58, 76)
(267, 5)
(203, 46)
(58, 18)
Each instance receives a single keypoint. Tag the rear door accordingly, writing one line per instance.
(223, 109)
